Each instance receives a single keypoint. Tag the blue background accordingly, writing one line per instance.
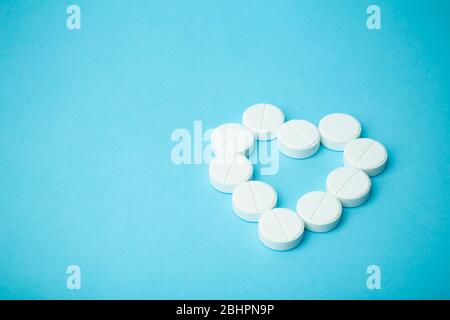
(86, 118)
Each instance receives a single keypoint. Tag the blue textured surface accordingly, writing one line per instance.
(86, 117)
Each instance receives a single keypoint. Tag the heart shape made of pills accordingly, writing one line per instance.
(319, 211)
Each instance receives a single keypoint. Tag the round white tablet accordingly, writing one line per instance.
(280, 229)
(225, 174)
(232, 138)
(366, 154)
(263, 120)
(337, 129)
(250, 199)
(320, 211)
(350, 185)
(298, 139)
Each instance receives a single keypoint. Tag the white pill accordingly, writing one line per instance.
(225, 174)
(263, 120)
(366, 154)
(320, 211)
(280, 229)
(298, 139)
(232, 138)
(350, 185)
(250, 199)
(337, 129)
